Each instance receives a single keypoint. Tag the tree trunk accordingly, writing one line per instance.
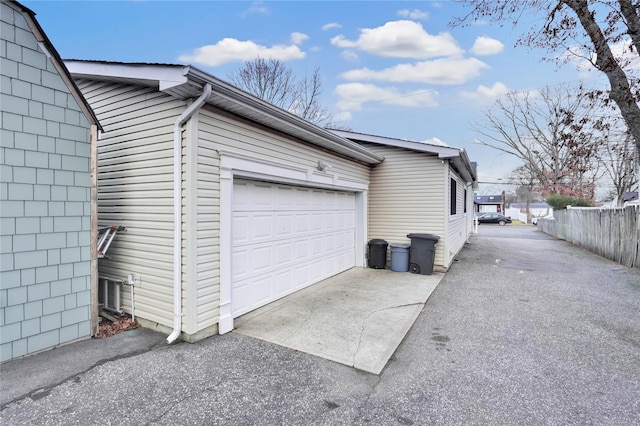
(606, 62)
(630, 13)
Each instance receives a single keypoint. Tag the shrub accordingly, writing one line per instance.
(560, 202)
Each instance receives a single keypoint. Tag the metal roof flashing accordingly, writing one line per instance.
(186, 81)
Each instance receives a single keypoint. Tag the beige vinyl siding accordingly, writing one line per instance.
(221, 131)
(234, 134)
(407, 194)
(457, 225)
(135, 189)
(201, 223)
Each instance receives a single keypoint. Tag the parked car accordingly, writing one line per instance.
(498, 218)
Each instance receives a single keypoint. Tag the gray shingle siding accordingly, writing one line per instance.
(44, 190)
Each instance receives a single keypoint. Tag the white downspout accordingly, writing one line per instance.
(177, 211)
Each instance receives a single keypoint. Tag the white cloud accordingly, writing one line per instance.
(401, 39)
(486, 46)
(487, 94)
(298, 38)
(414, 14)
(583, 59)
(331, 26)
(439, 71)
(627, 55)
(230, 50)
(350, 56)
(343, 116)
(354, 95)
(257, 7)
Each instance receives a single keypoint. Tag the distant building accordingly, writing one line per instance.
(631, 198)
(489, 203)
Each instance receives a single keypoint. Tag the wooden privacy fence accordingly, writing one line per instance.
(613, 233)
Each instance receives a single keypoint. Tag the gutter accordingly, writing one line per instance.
(177, 210)
(231, 93)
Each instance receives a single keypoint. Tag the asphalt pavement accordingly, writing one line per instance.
(523, 329)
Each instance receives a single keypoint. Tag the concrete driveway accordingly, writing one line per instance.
(357, 318)
(547, 335)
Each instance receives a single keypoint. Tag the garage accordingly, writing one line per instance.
(286, 238)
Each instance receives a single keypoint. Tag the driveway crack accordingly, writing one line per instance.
(366, 317)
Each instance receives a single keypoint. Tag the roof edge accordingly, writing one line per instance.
(458, 156)
(240, 95)
(49, 50)
(168, 76)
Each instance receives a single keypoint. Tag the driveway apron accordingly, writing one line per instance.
(357, 318)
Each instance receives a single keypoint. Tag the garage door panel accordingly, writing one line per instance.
(260, 259)
(240, 224)
(284, 282)
(317, 268)
(302, 250)
(302, 277)
(260, 227)
(302, 222)
(291, 237)
(241, 196)
(284, 255)
(284, 225)
(262, 290)
(254, 291)
(329, 245)
(251, 228)
(285, 197)
(241, 267)
(316, 222)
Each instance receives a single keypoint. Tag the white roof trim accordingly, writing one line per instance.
(167, 76)
(442, 151)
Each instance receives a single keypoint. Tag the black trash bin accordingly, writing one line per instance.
(422, 253)
(377, 254)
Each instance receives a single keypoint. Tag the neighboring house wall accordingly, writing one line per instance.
(45, 263)
(488, 208)
(407, 194)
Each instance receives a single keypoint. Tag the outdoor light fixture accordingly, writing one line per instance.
(323, 166)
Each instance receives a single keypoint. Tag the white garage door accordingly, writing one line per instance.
(286, 238)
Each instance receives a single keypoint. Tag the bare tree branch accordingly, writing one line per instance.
(553, 132)
(594, 25)
(273, 81)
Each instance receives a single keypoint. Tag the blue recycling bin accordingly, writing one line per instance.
(400, 257)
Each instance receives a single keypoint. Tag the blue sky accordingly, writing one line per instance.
(389, 68)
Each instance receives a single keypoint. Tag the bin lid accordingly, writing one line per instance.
(424, 236)
(404, 246)
(378, 242)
